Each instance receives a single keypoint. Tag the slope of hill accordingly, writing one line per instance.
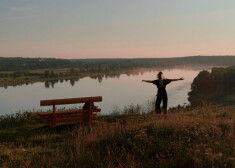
(198, 137)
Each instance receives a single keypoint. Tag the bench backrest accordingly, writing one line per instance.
(70, 101)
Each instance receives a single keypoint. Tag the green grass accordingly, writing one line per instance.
(198, 137)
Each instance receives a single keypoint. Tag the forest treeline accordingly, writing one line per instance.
(105, 65)
(217, 86)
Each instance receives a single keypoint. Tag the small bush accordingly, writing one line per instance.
(17, 119)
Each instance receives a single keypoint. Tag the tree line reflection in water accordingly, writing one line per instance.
(117, 74)
(52, 83)
(100, 78)
(72, 81)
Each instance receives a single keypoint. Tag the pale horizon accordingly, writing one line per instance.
(76, 29)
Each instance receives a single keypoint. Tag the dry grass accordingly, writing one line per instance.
(201, 137)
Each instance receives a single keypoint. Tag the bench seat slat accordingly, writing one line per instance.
(70, 101)
(41, 114)
(73, 118)
(67, 118)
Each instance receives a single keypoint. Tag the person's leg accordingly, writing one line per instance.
(165, 100)
(157, 105)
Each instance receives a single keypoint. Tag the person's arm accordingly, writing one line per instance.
(176, 79)
(148, 81)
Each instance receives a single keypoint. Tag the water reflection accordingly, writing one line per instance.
(113, 75)
(51, 83)
(116, 75)
(72, 82)
(117, 89)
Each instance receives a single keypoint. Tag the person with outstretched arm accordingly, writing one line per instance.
(161, 83)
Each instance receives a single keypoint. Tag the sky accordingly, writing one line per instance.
(116, 28)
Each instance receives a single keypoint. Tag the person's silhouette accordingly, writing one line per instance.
(161, 83)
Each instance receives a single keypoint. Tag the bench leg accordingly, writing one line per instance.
(51, 123)
(90, 112)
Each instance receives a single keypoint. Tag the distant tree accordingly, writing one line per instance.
(46, 73)
(61, 74)
(212, 87)
(52, 73)
(71, 71)
(15, 74)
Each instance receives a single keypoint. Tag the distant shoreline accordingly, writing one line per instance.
(19, 71)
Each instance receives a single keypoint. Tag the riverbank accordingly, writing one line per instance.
(189, 137)
(51, 75)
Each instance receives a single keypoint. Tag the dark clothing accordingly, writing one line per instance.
(159, 98)
(161, 94)
(161, 84)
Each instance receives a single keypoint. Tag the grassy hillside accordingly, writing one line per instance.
(199, 137)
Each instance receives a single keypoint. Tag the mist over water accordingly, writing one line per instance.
(117, 91)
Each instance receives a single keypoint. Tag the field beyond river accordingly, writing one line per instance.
(188, 137)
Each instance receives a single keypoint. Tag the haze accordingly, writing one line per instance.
(120, 29)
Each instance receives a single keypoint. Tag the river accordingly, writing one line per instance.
(117, 92)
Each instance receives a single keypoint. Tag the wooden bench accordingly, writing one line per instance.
(54, 116)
